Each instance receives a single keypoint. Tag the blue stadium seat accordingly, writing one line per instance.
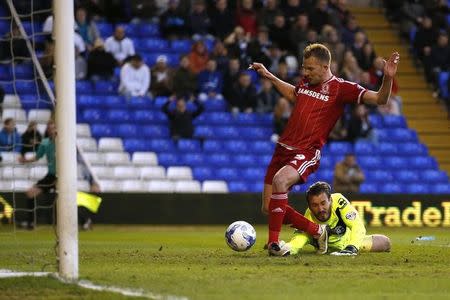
(143, 103)
(193, 159)
(32, 101)
(299, 188)
(443, 86)
(256, 133)
(152, 45)
(397, 135)
(369, 188)
(381, 176)
(117, 115)
(244, 160)
(92, 115)
(103, 130)
(105, 29)
(325, 175)
(327, 162)
(215, 105)
(24, 71)
(5, 73)
(218, 160)
(168, 159)
(132, 30)
(376, 121)
(422, 162)
(227, 174)
(205, 132)
(262, 147)
(441, 188)
(391, 121)
(212, 146)
(417, 188)
(203, 173)
(340, 148)
(127, 131)
(253, 174)
(103, 87)
(395, 162)
(149, 30)
(247, 119)
(434, 176)
(181, 46)
(392, 188)
(385, 149)
(255, 187)
(113, 102)
(412, 149)
(162, 145)
(264, 159)
(25, 87)
(227, 132)
(9, 88)
(5, 26)
(134, 145)
(154, 131)
(149, 117)
(238, 187)
(364, 148)
(407, 177)
(89, 102)
(188, 145)
(216, 118)
(235, 146)
(84, 88)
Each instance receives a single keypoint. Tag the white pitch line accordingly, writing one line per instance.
(4, 273)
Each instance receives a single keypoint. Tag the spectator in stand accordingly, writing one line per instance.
(220, 55)
(281, 114)
(358, 46)
(438, 60)
(173, 22)
(348, 32)
(348, 176)
(412, 13)
(368, 56)
(267, 97)
(101, 63)
(47, 59)
(120, 46)
(161, 78)
(184, 81)
(199, 21)
(13, 46)
(359, 127)
(275, 56)
(80, 66)
(181, 119)
(246, 17)
(243, 96)
(10, 139)
(392, 107)
(336, 47)
(425, 38)
(277, 33)
(2, 98)
(283, 72)
(134, 78)
(438, 11)
(222, 19)
(340, 14)
(31, 138)
(237, 43)
(320, 15)
(230, 77)
(339, 131)
(210, 82)
(258, 48)
(376, 75)
(267, 13)
(350, 70)
(365, 81)
(293, 8)
(86, 27)
(312, 37)
(298, 32)
(198, 57)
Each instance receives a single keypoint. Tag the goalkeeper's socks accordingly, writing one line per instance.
(277, 210)
(299, 221)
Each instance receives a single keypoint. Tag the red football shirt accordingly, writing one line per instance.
(317, 110)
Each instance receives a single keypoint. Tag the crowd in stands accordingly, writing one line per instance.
(426, 24)
(226, 36)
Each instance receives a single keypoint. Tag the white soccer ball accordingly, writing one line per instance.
(240, 236)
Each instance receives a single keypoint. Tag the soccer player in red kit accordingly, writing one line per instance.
(320, 98)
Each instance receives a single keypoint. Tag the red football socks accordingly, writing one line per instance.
(277, 210)
(298, 221)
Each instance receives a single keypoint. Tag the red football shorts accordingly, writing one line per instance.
(304, 161)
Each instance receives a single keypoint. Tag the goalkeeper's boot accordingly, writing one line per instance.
(322, 240)
(279, 249)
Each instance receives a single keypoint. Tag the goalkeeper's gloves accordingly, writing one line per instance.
(350, 250)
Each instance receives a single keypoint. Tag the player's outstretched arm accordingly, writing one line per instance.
(382, 96)
(286, 90)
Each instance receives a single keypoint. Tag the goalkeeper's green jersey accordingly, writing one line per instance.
(347, 228)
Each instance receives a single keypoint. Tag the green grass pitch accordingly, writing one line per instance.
(195, 262)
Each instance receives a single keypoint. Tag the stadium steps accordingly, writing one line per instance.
(423, 112)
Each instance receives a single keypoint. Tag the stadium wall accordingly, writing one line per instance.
(377, 210)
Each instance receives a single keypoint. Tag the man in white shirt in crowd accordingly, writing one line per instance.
(134, 78)
(119, 45)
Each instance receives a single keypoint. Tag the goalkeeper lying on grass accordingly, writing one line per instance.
(347, 233)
